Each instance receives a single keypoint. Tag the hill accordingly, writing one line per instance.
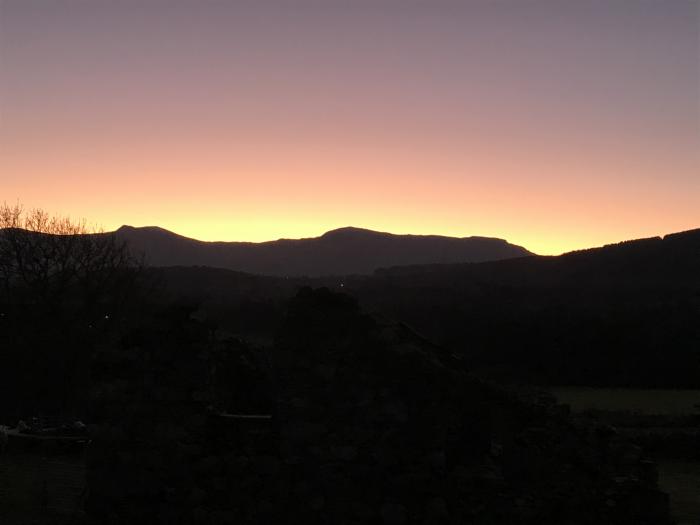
(344, 251)
(620, 315)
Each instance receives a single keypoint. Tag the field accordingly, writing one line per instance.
(40, 488)
(667, 402)
(680, 479)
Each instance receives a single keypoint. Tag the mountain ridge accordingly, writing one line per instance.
(343, 230)
(342, 251)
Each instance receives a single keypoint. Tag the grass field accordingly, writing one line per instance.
(681, 480)
(36, 488)
(668, 402)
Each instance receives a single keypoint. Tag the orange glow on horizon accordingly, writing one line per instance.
(568, 128)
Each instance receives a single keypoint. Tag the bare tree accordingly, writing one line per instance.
(48, 259)
(59, 280)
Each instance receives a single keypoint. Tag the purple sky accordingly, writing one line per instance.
(557, 125)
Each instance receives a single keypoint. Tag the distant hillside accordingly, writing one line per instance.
(675, 258)
(345, 251)
(621, 315)
(626, 314)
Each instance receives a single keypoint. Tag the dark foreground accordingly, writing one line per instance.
(318, 412)
(369, 423)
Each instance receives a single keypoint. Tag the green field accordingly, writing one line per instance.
(681, 480)
(652, 401)
(40, 489)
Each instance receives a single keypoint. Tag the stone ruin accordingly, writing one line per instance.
(347, 419)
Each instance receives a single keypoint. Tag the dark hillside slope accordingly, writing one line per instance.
(674, 258)
(624, 314)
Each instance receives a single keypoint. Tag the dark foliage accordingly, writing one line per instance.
(62, 290)
(369, 424)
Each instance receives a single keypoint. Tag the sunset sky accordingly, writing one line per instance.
(557, 124)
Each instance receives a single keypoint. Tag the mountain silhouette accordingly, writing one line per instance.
(345, 251)
(619, 315)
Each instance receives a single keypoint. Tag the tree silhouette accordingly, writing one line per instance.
(62, 285)
(49, 260)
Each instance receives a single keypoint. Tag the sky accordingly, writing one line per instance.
(557, 125)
